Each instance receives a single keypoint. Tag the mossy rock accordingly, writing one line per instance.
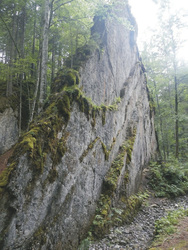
(4, 176)
(82, 54)
(107, 215)
(65, 77)
(53, 174)
(34, 143)
(63, 106)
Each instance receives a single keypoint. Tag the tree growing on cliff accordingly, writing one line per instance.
(35, 37)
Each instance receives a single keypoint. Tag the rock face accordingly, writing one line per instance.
(9, 129)
(54, 209)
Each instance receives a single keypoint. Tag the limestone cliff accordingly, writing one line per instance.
(94, 137)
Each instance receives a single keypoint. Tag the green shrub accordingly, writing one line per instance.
(168, 179)
(166, 225)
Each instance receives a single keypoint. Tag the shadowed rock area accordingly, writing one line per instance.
(90, 144)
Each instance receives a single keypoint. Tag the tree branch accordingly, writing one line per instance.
(62, 5)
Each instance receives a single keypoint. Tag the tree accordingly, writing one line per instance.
(35, 38)
(165, 78)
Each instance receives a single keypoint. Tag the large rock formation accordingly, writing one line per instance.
(93, 137)
(8, 129)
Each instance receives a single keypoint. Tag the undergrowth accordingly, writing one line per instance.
(168, 179)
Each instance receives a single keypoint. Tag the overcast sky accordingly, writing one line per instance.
(145, 12)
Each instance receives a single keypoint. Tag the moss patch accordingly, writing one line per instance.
(65, 78)
(39, 237)
(106, 214)
(42, 138)
(63, 106)
(112, 176)
(90, 147)
(4, 177)
(105, 151)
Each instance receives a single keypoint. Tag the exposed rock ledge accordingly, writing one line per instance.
(50, 204)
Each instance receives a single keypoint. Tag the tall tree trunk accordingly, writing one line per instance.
(53, 63)
(22, 54)
(44, 58)
(33, 106)
(20, 109)
(33, 45)
(71, 45)
(161, 122)
(176, 117)
(9, 90)
(59, 62)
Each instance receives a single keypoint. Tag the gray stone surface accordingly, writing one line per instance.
(38, 214)
(8, 129)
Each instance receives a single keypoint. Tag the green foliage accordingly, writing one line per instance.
(6, 102)
(113, 11)
(84, 244)
(167, 80)
(169, 178)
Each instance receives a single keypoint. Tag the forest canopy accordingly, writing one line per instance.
(35, 38)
